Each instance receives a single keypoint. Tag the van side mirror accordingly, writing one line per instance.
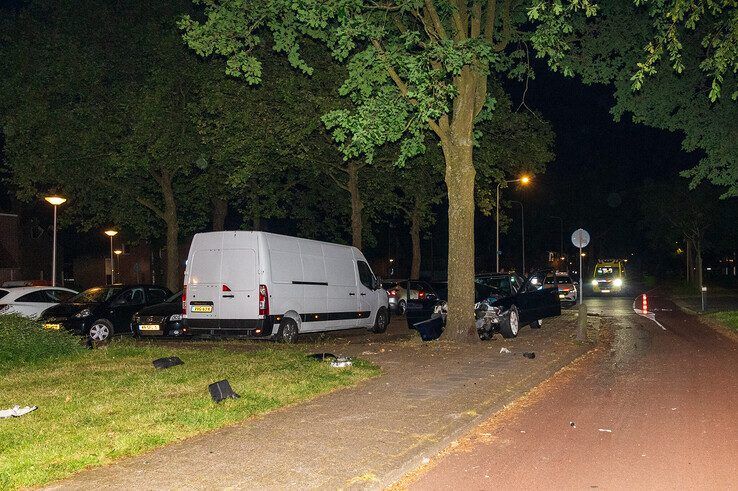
(376, 283)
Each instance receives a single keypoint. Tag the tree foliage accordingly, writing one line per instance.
(670, 63)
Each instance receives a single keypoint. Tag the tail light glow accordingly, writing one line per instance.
(184, 300)
(263, 300)
(421, 294)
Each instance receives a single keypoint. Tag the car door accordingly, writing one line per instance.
(367, 295)
(124, 306)
(536, 301)
(421, 304)
(32, 304)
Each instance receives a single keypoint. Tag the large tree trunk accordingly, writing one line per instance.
(219, 212)
(174, 281)
(357, 205)
(460, 174)
(415, 237)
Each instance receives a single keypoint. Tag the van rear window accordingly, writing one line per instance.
(205, 267)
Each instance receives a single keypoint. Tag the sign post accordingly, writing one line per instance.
(580, 239)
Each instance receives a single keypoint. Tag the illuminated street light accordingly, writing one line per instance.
(111, 233)
(55, 201)
(524, 180)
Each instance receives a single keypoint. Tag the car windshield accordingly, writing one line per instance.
(177, 297)
(96, 295)
(563, 280)
(494, 285)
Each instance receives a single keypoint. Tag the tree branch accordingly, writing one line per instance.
(338, 183)
(489, 20)
(151, 206)
(476, 20)
(506, 30)
(437, 25)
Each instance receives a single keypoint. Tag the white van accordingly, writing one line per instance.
(274, 286)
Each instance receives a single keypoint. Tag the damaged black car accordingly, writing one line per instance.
(505, 302)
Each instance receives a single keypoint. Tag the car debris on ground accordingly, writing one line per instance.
(168, 362)
(221, 390)
(16, 411)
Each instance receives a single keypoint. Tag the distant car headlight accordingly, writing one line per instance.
(83, 313)
(534, 281)
(175, 317)
(594, 282)
(617, 282)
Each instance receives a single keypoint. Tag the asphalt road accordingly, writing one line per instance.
(653, 408)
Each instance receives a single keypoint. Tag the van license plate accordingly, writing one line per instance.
(149, 327)
(55, 327)
(202, 308)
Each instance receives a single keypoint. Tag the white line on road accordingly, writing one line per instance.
(645, 313)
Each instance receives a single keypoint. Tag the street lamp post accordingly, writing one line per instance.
(522, 232)
(111, 233)
(524, 180)
(118, 252)
(55, 201)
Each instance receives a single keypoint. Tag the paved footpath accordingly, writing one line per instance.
(654, 408)
(364, 437)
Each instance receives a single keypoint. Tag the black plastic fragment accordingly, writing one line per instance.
(170, 361)
(222, 390)
(529, 354)
(322, 356)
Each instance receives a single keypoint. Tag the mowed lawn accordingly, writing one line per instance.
(729, 319)
(110, 402)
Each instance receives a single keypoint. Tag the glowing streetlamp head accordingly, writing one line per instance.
(55, 200)
(111, 233)
(118, 252)
(525, 179)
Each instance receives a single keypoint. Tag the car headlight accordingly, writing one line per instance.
(617, 282)
(175, 317)
(83, 313)
(594, 282)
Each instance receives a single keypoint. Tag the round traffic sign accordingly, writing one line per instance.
(580, 238)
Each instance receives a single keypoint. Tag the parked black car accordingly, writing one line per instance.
(100, 312)
(504, 302)
(163, 319)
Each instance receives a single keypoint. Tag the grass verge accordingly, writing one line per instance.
(100, 405)
(729, 319)
(25, 342)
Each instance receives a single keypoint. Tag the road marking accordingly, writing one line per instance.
(646, 314)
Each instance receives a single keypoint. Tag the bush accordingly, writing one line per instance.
(24, 341)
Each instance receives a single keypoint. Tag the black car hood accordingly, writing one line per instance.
(66, 309)
(165, 308)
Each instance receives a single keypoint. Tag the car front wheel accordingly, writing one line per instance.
(510, 326)
(100, 331)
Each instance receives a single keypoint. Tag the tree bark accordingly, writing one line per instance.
(357, 206)
(219, 212)
(415, 237)
(460, 174)
(174, 281)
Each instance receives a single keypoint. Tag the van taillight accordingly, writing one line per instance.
(263, 300)
(184, 300)
(392, 293)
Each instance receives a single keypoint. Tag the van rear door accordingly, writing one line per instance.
(203, 286)
(239, 295)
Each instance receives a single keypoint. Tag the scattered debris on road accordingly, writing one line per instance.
(605, 430)
(529, 354)
(572, 424)
(341, 362)
(505, 350)
(322, 356)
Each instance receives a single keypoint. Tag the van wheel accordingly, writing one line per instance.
(287, 331)
(511, 324)
(380, 324)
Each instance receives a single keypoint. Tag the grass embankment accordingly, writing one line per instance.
(729, 319)
(99, 405)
